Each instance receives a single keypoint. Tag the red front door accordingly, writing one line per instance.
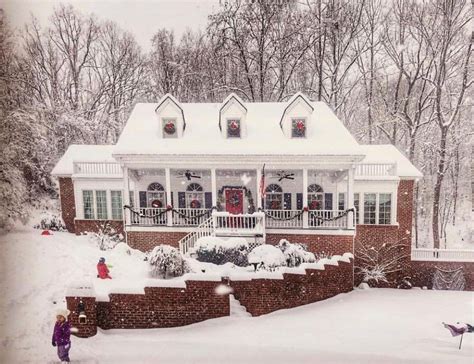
(234, 201)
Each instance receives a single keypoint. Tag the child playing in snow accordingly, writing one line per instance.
(102, 270)
(62, 335)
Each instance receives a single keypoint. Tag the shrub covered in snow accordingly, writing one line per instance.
(50, 221)
(295, 254)
(215, 250)
(106, 237)
(267, 257)
(166, 261)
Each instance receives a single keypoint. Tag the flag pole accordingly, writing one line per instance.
(460, 343)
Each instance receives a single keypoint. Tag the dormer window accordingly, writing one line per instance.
(170, 129)
(298, 128)
(233, 128)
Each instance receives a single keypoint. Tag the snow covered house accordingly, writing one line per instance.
(262, 171)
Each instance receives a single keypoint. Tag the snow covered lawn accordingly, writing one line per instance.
(364, 326)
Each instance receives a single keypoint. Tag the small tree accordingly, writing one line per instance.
(376, 263)
(166, 261)
(295, 254)
(106, 237)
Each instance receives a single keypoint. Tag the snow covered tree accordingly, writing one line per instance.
(166, 261)
(106, 237)
(295, 254)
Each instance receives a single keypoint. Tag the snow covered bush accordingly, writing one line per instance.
(166, 261)
(267, 257)
(215, 250)
(51, 221)
(106, 237)
(295, 254)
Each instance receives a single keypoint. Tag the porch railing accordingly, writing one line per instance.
(449, 255)
(376, 169)
(244, 224)
(327, 219)
(97, 168)
(284, 219)
(204, 229)
(149, 217)
(190, 217)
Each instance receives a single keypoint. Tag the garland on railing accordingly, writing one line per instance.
(295, 216)
(169, 208)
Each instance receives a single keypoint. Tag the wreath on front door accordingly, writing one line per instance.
(234, 200)
(314, 205)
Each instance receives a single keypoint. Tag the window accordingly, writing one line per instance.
(233, 128)
(315, 197)
(357, 206)
(298, 128)
(370, 208)
(273, 197)
(194, 196)
(88, 203)
(385, 208)
(116, 200)
(155, 195)
(170, 129)
(101, 204)
(341, 202)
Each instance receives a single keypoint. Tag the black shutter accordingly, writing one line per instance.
(171, 202)
(142, 195)
(299, 201)
(287, 201)
(208, 199)
(328, 201)
(181, 200)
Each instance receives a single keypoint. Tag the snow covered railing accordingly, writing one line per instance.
(190, 216)
(376, 169)
(149, 217)
(97, 168)
(328, 219)
(243, 224)
(289, 219)
(449, 255)
(203, 230)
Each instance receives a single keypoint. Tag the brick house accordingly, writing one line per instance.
(263, 171)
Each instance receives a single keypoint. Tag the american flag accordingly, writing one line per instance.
(262, 182)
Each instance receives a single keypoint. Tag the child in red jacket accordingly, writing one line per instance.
(102, 270)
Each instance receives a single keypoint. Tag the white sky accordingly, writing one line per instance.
(141, 17)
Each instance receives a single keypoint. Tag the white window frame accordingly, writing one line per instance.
(120, 206)
(393, 207)
(108, 194)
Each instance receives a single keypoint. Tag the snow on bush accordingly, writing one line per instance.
(218, 251)
(295, 254)
(267, 257)
(106, 237)
(50, 221)
(166, 261)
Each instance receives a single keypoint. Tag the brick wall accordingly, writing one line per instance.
(68, 206)
(147, 240)
(94, 226)
(158, 307)
(262, 296)
(329, 244)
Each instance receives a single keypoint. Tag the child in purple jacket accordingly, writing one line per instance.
(62, 335)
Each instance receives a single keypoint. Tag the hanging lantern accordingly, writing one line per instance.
(81, 308)
(169, 127)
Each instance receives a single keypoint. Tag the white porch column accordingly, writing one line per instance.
(214, 187)
(126, 197)
(169, 214)
(305, 198)
(259, 194)
(350, 197)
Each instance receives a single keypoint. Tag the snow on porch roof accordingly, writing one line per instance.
(388, 153)
(82, 153)
(326, 134)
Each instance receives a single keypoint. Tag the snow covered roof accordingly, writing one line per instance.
(388, 153)
(82, 153)
(326, 136)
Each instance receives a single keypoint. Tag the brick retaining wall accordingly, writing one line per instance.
(147, 240)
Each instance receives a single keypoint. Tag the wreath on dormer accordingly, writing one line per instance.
(234, 125)
(299, 128)
(169, 127)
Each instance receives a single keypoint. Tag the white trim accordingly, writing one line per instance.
(311, 232)
(184, 229)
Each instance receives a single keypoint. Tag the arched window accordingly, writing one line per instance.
(273, 197)
(315, 197)
(194, 196)
(155, 195)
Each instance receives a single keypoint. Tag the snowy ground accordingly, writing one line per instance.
(368, 326)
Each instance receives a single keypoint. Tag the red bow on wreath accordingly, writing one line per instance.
(170, 128)
(195, 204)
(300, 125)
